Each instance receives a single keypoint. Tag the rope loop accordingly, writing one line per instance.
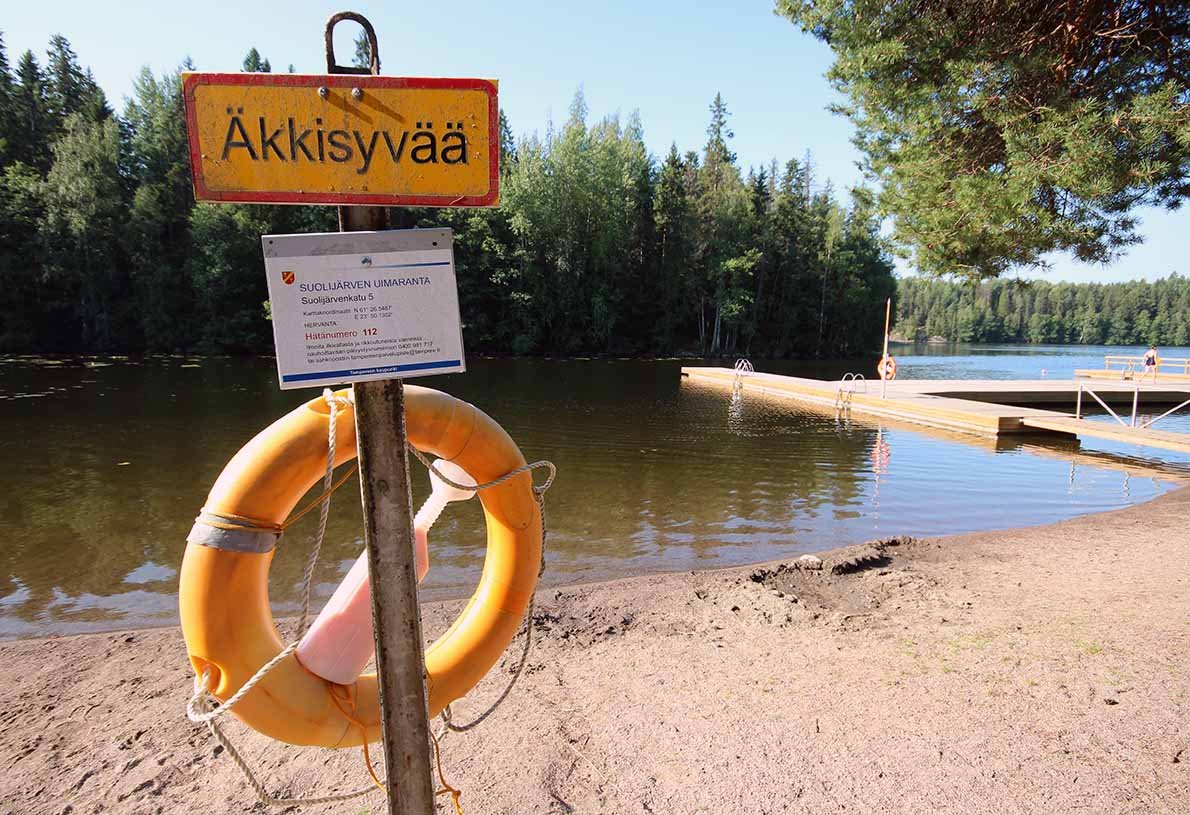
(202, 708)
(539, 489)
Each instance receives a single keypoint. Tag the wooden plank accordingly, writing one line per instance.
(388, 535)
(388, 538)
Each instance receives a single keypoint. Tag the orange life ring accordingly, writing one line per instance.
(887, 368)
(223, 590)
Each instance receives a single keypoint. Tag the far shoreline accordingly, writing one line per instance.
(589, 356)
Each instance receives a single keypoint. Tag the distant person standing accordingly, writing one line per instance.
(1150, 362)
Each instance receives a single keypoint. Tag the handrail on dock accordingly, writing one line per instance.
(1129, 364)
(743, 367)
(851, 380)
(845, 392)
(1078, 407)
(1078, 404)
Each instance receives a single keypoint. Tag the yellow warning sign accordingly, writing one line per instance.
(343, 139)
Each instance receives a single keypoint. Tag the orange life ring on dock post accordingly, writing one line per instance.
(223, 592)
(887, 368)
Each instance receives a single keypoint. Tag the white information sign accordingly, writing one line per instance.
(359, 306)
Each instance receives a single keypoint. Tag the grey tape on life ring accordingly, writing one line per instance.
(258, 541)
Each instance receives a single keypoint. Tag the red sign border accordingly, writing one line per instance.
(191, 80)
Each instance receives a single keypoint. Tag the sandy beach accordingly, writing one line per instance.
(1038, 670)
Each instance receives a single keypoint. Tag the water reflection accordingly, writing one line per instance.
(881, 456)
(736, 423)
(114, 458)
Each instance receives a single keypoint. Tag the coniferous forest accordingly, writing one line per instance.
(1134, 313)
(597, 247)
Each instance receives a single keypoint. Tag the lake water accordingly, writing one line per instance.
(109, 459)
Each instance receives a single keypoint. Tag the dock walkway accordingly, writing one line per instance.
(985, 407)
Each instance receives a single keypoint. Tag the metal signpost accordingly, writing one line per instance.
(362, 142)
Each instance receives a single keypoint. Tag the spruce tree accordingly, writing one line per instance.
(24, 312)
(85, 212)
(362, 58)
(34, 132)
(68, 90)
(507, 143)
(8, 122)
(254, 64)
(718, 133)
(158, 233)
(673, 218)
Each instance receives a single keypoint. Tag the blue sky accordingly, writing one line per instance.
(663, 58)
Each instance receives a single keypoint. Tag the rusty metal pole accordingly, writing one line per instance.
(388, 537)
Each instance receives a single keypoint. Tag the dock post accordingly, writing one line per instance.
(1078, 402)
(1135, 400)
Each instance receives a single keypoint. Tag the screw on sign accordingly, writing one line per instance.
(887, 368)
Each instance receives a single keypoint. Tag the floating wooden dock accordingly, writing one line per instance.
(985, 407)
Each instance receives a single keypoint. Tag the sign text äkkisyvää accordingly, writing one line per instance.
(343, 139)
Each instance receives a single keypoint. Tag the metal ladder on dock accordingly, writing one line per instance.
(743, 367)
(846, 392)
